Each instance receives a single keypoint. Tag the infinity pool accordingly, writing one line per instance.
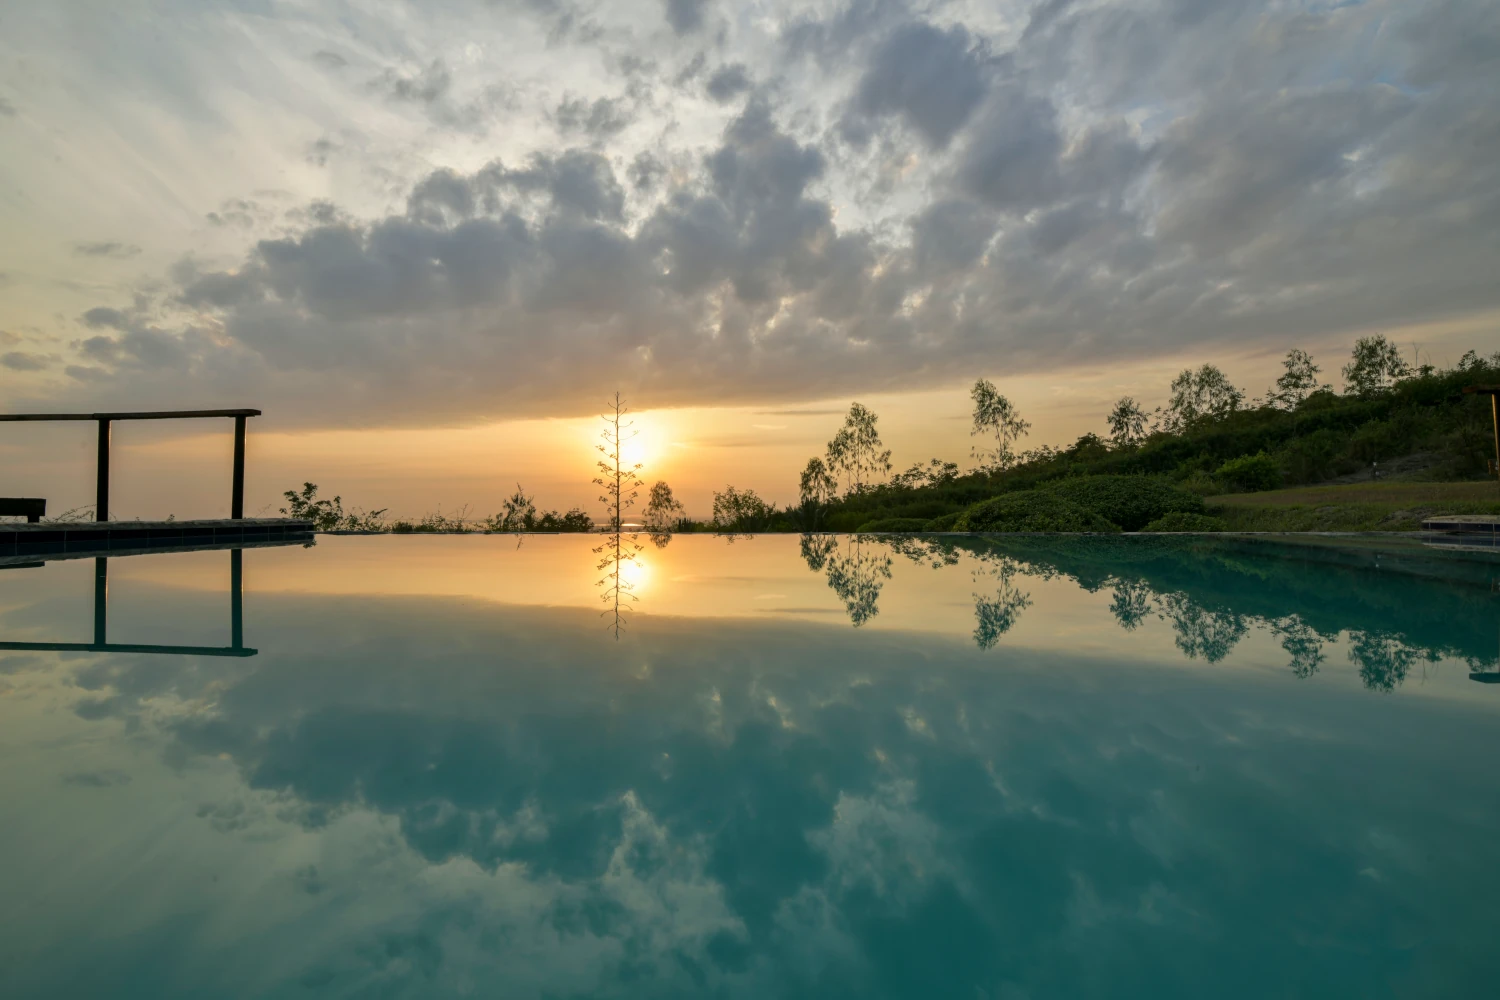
(754, 767)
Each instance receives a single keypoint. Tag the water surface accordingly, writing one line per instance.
(755, 767)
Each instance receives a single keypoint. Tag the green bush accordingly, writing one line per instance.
(1312, 457)
(1250, 473)
(945, 522)
(846, 520)
(1202, 483)
(893, 524)
(1181, 521)
(1032, 510)
(1132, 502)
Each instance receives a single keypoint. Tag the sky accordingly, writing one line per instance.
(430, 237)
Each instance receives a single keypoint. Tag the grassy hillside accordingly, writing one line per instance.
(1354, 506)
(1423, 428)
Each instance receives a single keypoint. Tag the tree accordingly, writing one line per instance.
(855, 450)
(1374, 366)
(740, 510)
(1299, 381)
(1201, 396)
(621, 482)
(1127, 423)
(816, 488)
(817, 484)
(994, 415)
(663, 510)
(935, 472)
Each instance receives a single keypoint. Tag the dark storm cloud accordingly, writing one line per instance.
(1129, 180)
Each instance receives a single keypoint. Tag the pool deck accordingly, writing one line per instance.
(1482, 524)
(22, 543)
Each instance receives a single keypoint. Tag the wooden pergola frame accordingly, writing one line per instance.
(106, 420)
(101, 643)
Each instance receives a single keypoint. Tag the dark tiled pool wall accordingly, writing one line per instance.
(43, 539)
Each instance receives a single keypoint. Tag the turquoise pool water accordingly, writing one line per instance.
(821, 767)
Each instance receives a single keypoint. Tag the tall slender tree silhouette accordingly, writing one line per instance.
(620, 480)
(622, 484)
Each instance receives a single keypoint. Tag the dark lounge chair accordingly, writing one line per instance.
(31, 508)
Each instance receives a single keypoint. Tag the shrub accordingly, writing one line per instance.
(1182, 521)
(328, 515)
(1032, 510)
(944, 522)
(894, 524)
(1250, 473)
(1131, 502)
(574, 520)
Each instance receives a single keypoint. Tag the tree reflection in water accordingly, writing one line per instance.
(1201, 631)
(857, 569)
(618, 561)
(1397, 607)
(1302, 643)
(995, 614)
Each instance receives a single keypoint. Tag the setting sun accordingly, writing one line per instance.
(635, 574)
(647, 444)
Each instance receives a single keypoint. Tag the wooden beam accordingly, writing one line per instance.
(126, 647)
(132, 415)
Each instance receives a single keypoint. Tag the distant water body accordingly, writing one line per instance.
(833, 766)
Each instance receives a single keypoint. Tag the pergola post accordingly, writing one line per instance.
(101, 484)
(236, 599)
(101, 600)
(237, 494)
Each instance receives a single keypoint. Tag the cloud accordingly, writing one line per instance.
(931, 79)
(896, 203)
(685, 16)
(321, 149)
(645, 171)
(110, 249)
(19, 361)
(103, 316)
(239, 213)
(728, 82)
(329, 60)
(426, 85)
(599, 119)
(7, 109)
